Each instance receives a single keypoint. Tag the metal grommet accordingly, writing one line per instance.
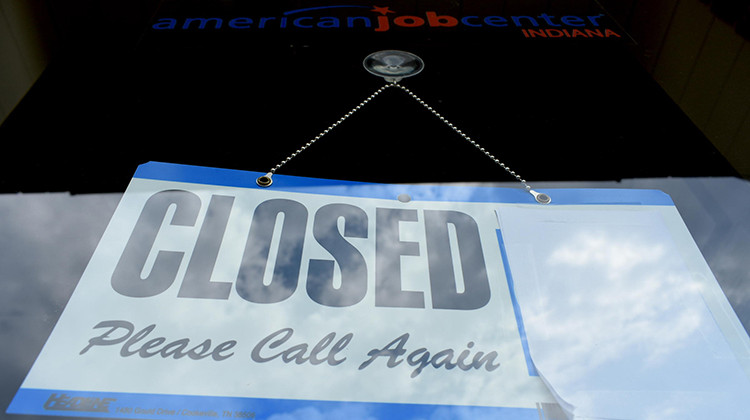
(264, 181)
(541, 198)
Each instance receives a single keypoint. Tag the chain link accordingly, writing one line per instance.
(266, 180)
(331, 127)
(464, 135)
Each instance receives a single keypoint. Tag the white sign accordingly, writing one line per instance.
(211, 297)
(623, 317)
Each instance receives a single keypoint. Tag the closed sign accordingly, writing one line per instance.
(211, 297)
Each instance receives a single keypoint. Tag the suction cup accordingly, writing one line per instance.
(393, 65)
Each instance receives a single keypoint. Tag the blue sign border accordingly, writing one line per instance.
(473, 194)
(171, 407)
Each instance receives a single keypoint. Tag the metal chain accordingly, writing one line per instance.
(266, 180)
(331, 127)
(465, 136)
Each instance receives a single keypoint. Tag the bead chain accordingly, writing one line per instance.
(266, 180)
(332, 126)
(464, 135)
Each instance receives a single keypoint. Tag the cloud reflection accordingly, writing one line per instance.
(616, 321)
(46, 242)
(634, 303)
(638, 298)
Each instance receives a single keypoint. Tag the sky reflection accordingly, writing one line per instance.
(616, 322)
(47, 241)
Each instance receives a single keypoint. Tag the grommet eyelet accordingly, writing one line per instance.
(264, 181)
(541, 198)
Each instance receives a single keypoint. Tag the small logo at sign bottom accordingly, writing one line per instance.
(64, 402)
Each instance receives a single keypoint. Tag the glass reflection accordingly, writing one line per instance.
(617, 323)
(47, 240)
